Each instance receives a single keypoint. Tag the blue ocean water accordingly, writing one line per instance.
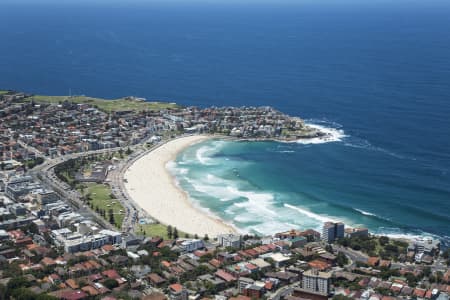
(378, 71)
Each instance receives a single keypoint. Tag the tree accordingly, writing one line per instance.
(384, 240)
(110, 283)
(196, 236)
(111, 216)
(426, 271)
(206, 237)
(341, 259)
(82, 188)
(175, 233)
(169, 231)
(128, 152)
(17, 282)
(411, 279)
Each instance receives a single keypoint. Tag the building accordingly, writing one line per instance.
(244, 282)
(46, 196)
(425, 245)
(230, 240)
(85, 240)
(332, 231)
(316, 282)
(253, 291)
(192, 245)
(177, 292)
(356, 232)
(17, 209)
(279, 259)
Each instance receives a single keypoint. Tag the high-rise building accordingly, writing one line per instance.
(316, 282)
(332, 231)
(230, 240)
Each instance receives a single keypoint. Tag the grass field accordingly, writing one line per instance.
(107, 105)
(156, 230)
(3, 92)
(101, 199)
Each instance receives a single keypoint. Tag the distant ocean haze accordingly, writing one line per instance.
(378, 74)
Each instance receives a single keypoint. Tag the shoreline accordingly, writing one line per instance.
(170, 204)
(152, 187)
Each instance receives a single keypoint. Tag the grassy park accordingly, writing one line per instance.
(156, 230)
(107, 105)
(100, 199)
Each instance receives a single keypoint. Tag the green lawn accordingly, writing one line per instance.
(107, 105)
(3, 92)
(155, 230)
(100, 196)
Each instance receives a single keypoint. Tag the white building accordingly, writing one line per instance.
(230, 240)
(191, 245)
(84, 240)
(317, 282)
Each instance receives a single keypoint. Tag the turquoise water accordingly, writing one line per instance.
(267, 187)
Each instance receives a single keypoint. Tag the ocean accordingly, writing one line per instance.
(377, 74)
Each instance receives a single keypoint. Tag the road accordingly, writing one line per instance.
(283, 292)
(45, 173)
(30, 148)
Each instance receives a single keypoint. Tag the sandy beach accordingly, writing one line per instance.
(152, 187)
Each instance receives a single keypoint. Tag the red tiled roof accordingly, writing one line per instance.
(268, 285)
(225, 276)
(47, 261)
(176, 287)
(73, 295)
(111, 274)
(419, 292)
(155, 278)
(214, 262)
(90, 290)
(165, 263)
(373, 261)
(72, 284)
(95, 277)
(318, 264)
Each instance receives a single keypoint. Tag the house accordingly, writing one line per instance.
(318, 264)
(70, 294)
(72, 284)
(156, 280)
(253, 291)
(177, 292)
(225, 276)
(373, 261)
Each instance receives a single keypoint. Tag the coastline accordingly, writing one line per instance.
(150, 184)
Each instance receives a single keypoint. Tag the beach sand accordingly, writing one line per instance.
(152, 187)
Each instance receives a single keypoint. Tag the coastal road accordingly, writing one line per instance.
(116, 181)
(45, 173)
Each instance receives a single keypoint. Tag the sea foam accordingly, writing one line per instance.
(310, 214)
(331, 135)
(366, 213)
